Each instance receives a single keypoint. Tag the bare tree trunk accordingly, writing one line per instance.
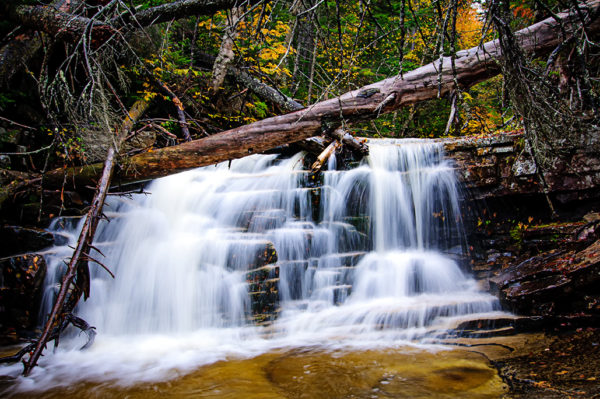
(453, 112)
(305, 44)
(226, 53)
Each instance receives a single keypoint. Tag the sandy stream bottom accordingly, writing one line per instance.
(561, 364)
(316, 373)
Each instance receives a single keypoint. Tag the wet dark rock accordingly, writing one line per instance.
(4, 161)
(557, 282)
(33, 212)
(536, 263)
(340, 293)
(65, 222)
(342, 259)
(247, 255)
(263, 288)
(21, 280)
(262, 222)
(294, 272)
(258, 258)
(315, 195)
(17, 240)
(557, 365)
(501, 243)
(361, 223)
(502, 165)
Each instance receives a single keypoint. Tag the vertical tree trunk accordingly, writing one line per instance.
(226, 53)
(305, 44)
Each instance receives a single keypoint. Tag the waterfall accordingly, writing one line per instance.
(367, 256)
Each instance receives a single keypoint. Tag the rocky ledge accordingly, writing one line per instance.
(559, 282)
(502, 165)
(533, 233)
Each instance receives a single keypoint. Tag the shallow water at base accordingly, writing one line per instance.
(403, 372)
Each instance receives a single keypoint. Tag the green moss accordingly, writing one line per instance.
(516, 233)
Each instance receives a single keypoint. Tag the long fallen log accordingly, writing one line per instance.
(268, 93)
(471, 67)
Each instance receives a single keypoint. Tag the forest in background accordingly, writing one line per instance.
(69, 79)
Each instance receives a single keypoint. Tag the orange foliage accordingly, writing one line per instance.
(468, 27)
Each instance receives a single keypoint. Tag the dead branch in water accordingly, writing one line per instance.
(76, 281)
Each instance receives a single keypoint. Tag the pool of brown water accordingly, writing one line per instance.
(316, 373)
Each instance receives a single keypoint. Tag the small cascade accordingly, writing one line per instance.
(388, 267)
(367, 256)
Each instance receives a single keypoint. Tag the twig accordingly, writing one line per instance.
(28, 152)
(310, 9)
(69, 319)
(180, 110)
(16, 123)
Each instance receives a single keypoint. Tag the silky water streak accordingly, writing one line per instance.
(365, 258)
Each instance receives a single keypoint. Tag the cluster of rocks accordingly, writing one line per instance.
(533, 234)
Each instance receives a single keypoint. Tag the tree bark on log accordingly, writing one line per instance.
(23, 47)
(471, 67)
(268, 93)
(60, 23)
(16, 53)
(185, 8)
(324, 156)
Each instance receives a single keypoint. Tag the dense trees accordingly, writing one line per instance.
(71, 69)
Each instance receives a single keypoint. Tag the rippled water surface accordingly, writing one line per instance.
(311, 373)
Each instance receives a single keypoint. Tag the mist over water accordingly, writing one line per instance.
(373, 266)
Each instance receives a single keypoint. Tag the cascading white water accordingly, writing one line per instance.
(403, 288)
(370, 267)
